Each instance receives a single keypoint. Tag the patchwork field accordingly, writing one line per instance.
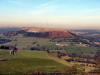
(26, 43)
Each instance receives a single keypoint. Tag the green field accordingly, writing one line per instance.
(27, 42)
(27, 61)
(82, 51)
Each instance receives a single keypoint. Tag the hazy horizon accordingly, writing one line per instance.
(69, 14)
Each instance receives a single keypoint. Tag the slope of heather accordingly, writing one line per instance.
(48, 32)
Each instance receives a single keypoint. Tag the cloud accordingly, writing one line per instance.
(45, 8)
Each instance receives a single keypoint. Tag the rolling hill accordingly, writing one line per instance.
(43, 32)
(28, 61)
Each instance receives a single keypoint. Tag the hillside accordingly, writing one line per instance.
(27, 62)
(43, 32)
(4, 30)
(93, 35)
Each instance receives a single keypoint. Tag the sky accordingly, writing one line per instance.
(71, 14)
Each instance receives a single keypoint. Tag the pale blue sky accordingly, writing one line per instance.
(61, 13)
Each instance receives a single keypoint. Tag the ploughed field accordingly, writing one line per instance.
(27, 61)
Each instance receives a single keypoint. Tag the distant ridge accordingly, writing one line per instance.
(43, 32)
(41, 29)
(4, 30)
(49, 32)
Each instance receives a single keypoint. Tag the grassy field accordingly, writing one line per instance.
(82, 51)
(27, 61)
(27, 42)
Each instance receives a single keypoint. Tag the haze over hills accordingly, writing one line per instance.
(6, 29)
(87, 33)
(41, 29)
(93, 35)
(43, 32)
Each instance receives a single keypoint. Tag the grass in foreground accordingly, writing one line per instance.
(27, 61)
